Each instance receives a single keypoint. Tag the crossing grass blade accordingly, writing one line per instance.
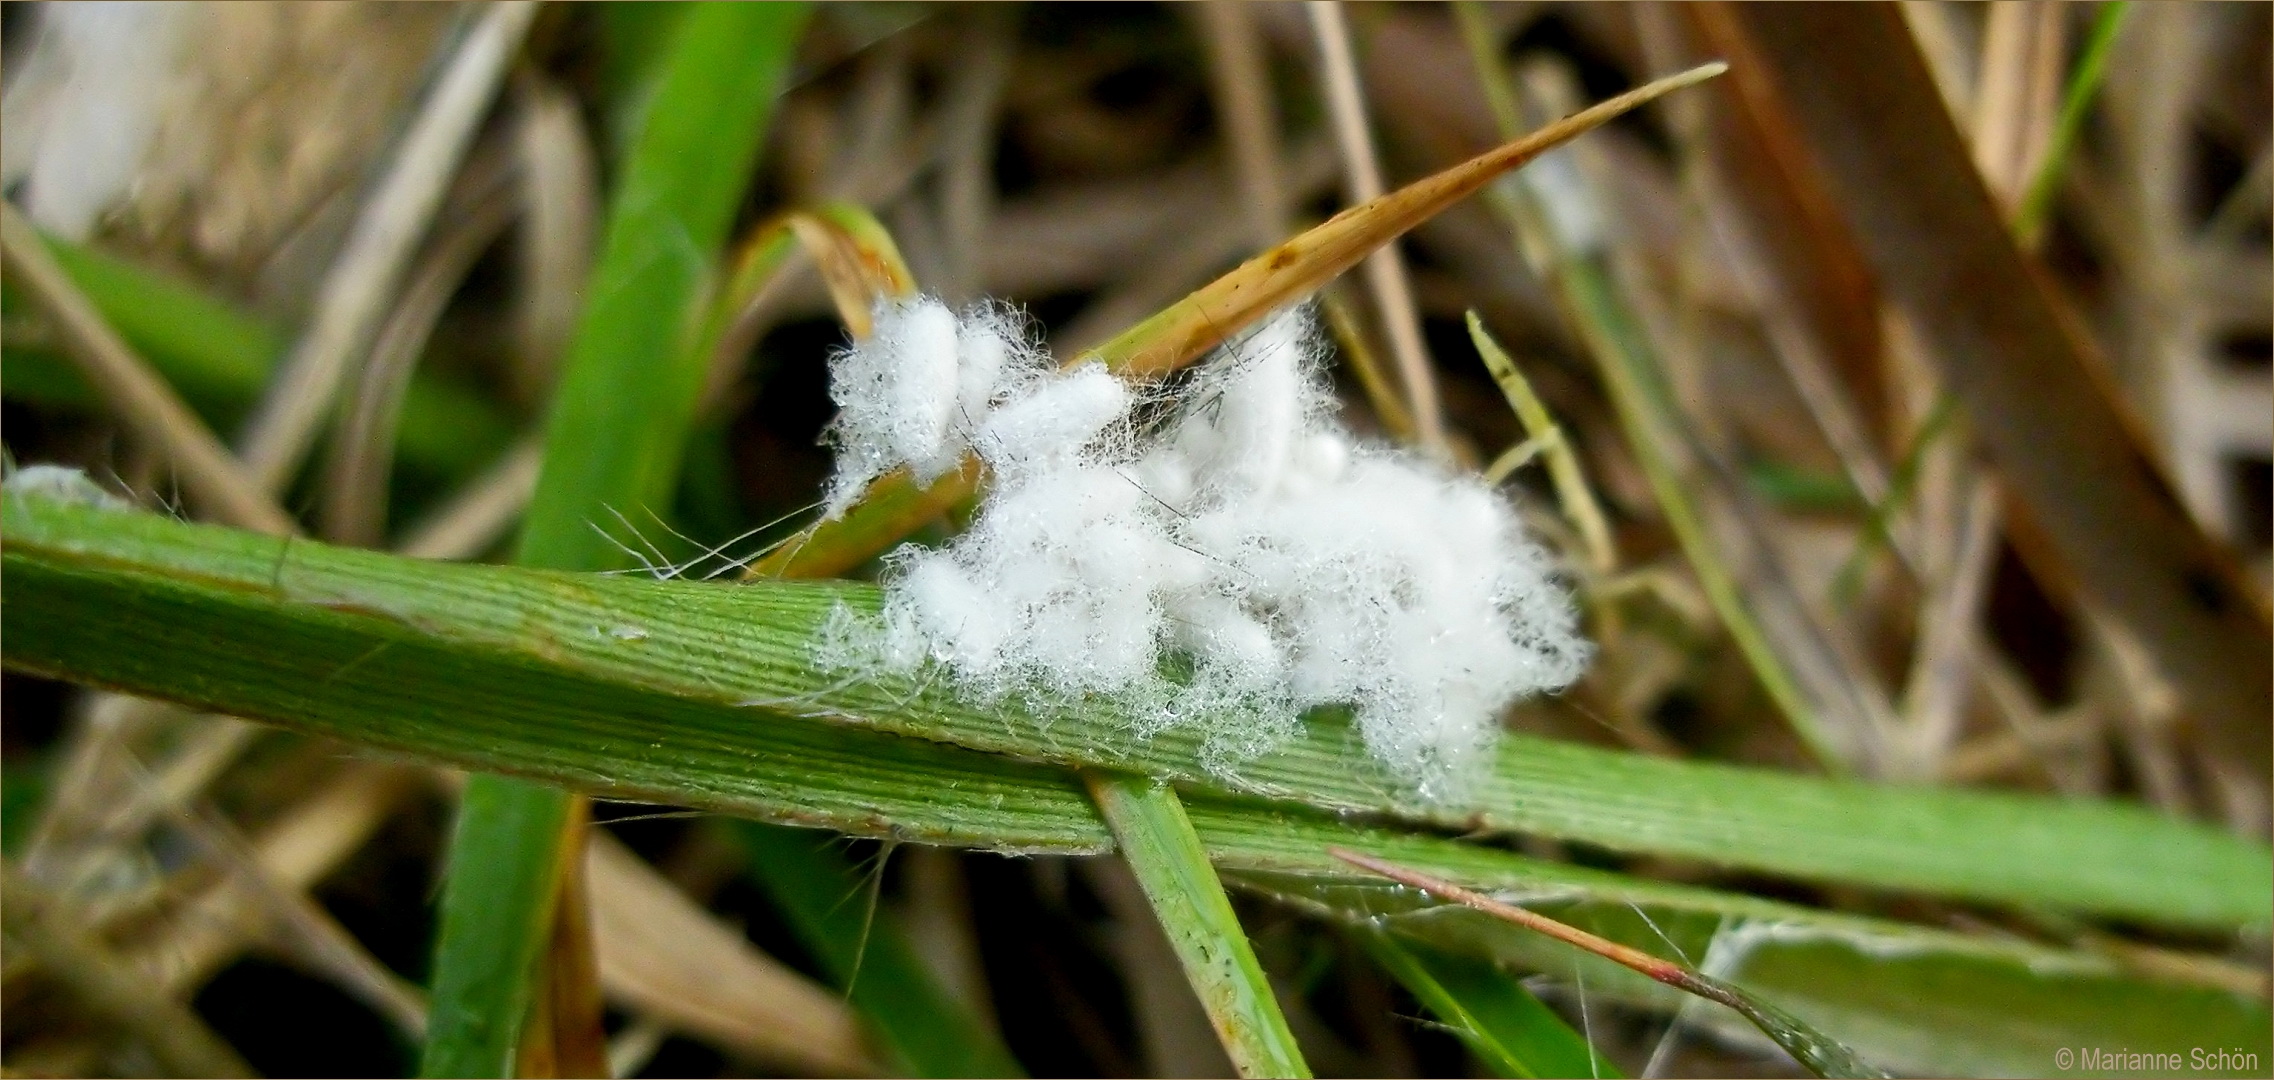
(619, 425)
(683, 679)
(505, 861)
(1153, 832)
(678, 693)
(862, 265)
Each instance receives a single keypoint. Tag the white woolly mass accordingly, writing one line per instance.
(915, 392)
(1221, 564)
(63, 484)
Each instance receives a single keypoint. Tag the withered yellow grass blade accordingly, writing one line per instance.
(856, 256)
(1294, 269)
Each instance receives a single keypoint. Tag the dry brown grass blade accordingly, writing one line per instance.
(1240, 79)
(571, 1000)
(2098, 505)
(359, 286)
(857, 259)
(148, 406)
(1386, 276)
(180, 1041)
(293, 853)
(1942, 662)
(88, 798)
(560, 199)
(363, 448)
(291, 920)
(2022, 62)
(662, 954)
(1765, 190)
(1298, 266)
(479, 515)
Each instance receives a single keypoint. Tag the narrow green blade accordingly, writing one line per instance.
(2076, 101)
(618, 428)
(504, 868)
(1149, 823)
(628, 390)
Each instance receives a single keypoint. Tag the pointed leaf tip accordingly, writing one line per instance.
(1300, 265)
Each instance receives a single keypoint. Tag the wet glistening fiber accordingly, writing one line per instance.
(1222, 559)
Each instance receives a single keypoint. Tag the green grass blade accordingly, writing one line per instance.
(1510, 1031)
(220, 359)
(634, 37)
(497, 909)
(630, 689)
(627, 396)
(504, 868)
(863, 950)
(2076, 101)
(1157, 839)
(618, 428)
(529, 657)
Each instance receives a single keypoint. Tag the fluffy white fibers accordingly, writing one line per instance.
(1221, 563)
(915, 392)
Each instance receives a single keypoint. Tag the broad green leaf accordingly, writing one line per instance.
(734, 669)
(1512, 1032)
(639, 690)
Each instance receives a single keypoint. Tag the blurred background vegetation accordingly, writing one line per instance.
(1905, 543)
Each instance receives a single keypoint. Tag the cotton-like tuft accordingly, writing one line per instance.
(915, 393)
(1220, 565)
(62, 484)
